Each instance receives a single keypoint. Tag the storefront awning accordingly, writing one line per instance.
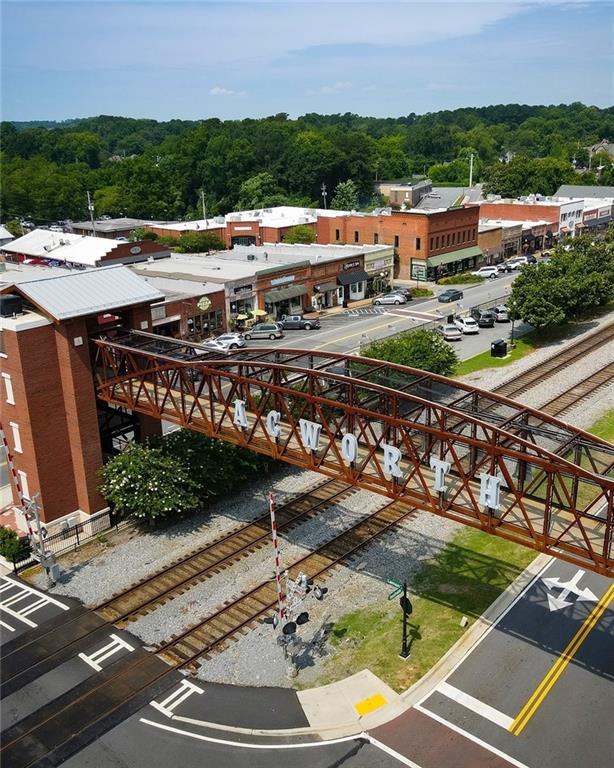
(357, 276)
(281, 294)
(448, 258)
(324, 287)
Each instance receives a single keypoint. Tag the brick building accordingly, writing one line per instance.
(428, 243)
(560, 216)
(48, 403)
(42, 246)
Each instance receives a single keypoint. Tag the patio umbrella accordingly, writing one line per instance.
(241, 317)
(259, 312)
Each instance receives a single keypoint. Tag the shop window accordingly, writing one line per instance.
(16, 437)
(356, 239)
(396, 241)
(418, 243)
(375, 238)
(8, 388)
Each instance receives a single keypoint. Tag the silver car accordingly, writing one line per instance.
(450, 332)
(232, 340)
(501, 313)
(265, 331)
(389, 298)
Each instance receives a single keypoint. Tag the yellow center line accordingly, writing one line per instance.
(542, 690)
(351, 335)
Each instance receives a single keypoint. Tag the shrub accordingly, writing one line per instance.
(418, 293)
(461, 279)
(417, 349)
(12, 547)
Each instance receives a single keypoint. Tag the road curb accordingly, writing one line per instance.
(419, 690)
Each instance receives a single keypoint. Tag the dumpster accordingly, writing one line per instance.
(498, 348)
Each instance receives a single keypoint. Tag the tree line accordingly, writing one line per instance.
(151, 169)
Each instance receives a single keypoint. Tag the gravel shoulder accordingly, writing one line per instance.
(256, 658)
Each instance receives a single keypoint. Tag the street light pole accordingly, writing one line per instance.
(404, 605)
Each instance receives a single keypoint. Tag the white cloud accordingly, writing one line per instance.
(340, 85)
(219, 91)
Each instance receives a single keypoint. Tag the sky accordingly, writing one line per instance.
(171, 59)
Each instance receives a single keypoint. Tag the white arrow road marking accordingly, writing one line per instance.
(568, 588)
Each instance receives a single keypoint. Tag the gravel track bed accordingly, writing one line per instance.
(146, 552)
(205, 598)
(256, 659)
(493, 377)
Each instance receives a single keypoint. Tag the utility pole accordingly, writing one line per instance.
(90, 207)
(323, 188)
(471, 170)
(202, 202)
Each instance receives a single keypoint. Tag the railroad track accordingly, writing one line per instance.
(548, 368)
(148, 594)
(578, 392)
(211, 634)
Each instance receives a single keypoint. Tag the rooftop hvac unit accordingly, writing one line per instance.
(251, 257)
(11, 305)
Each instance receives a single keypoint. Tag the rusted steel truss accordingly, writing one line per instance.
(439, 445)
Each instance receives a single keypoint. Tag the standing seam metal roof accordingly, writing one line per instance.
(85, 293)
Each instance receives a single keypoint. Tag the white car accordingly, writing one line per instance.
(450, 332)
(517, 262)
(466, 325)
(231, 340)
(213, 345)
(490, 272)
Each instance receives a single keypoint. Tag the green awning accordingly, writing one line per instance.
(324, 287)
(448, 258)
(281, 294)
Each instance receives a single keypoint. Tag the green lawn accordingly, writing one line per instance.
(524, 345)
(463, 580)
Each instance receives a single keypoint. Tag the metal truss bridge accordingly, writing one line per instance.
(439, 445)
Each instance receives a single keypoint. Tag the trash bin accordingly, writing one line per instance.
(498, 348)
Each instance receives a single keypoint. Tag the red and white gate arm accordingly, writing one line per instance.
(281, 611)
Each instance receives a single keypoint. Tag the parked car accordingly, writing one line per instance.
(402, 292)
(501, 314)
(450, 332)
(504, 267)
(485, 318)
(232, 340)
(451, 294)
(264, 331)
(213, 345)
(466, 325)
(298, 323)
(490, 272)
(517, 262)
(389, 298)
(531, 259)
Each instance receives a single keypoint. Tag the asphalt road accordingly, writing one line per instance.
(345, 332)
(539, 688)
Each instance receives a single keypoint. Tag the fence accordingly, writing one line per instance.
(431, 325)
(73, 536)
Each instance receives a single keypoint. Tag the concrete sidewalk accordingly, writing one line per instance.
(362, 701)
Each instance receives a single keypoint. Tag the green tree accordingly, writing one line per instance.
(418, 349)
(14, 227)
(216, 467)
(301, 234)
(260, 191)
(346, 196)
(198, 242)
(140, 233)
(12, 547)
(145, 483)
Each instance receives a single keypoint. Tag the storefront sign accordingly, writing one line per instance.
(282, 280)
(351, 265)
(204, 303)
(242, 229)
(243, 288)
(311, 431)
(375, 265)
(589, 216)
